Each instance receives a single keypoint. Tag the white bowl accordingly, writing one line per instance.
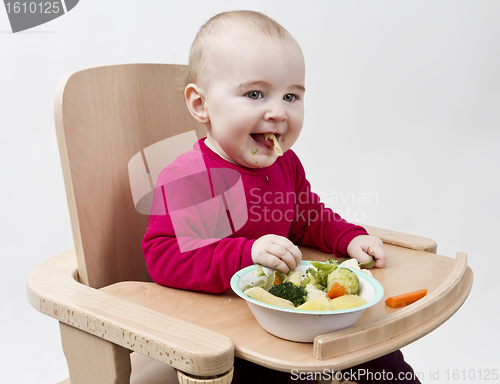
(304, 326)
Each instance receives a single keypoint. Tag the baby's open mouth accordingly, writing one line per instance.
(269, 140)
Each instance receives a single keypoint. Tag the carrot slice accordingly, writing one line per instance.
(405, 298)
(336, 290)
(277, 280)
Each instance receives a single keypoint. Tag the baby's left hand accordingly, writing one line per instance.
(364, 246)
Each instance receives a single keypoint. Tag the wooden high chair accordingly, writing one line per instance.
(113, 125)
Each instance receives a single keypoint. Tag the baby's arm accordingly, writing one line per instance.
(208, 268)
(276, 252)
(186, 244)
(364, 246)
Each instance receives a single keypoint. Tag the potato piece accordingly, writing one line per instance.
(262, 295)
(318, 304)
(294, 278)
(346, 302)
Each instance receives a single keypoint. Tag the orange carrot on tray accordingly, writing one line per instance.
(405, 298)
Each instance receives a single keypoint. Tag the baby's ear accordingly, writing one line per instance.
(195, 100)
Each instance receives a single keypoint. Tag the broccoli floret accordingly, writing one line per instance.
(319, 276)
(289, 291)
(327, 266)
(306, 280)
(346, 278)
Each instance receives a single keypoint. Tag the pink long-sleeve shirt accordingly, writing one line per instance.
(207, 212)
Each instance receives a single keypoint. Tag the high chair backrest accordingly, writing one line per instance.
(109, 121)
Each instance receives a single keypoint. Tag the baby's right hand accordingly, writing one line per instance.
(276, 252)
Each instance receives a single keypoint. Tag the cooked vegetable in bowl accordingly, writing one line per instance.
(308, 302)
(317, 291)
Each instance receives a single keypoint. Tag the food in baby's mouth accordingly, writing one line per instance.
(277, 149)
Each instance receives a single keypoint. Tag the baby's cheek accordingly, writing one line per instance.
(288, 140)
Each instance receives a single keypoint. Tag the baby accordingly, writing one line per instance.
(240, 197)
(246, 83)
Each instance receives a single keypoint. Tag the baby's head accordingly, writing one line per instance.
(245, 80)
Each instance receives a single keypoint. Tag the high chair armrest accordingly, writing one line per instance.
(53, 289)
(403, 240)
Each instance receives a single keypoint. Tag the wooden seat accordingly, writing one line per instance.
(113, 125)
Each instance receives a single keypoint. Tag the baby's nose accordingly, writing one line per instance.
(276, 112)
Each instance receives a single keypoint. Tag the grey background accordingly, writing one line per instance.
(402, 108)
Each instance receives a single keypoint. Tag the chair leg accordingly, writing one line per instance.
(92, 359)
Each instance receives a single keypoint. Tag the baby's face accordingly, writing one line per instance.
(254, 86)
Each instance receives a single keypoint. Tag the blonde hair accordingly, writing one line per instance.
(214, 27)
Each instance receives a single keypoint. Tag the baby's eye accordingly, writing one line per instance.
(255, 95)
(289, 97)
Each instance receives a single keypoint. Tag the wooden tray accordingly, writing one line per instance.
(379, 331)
